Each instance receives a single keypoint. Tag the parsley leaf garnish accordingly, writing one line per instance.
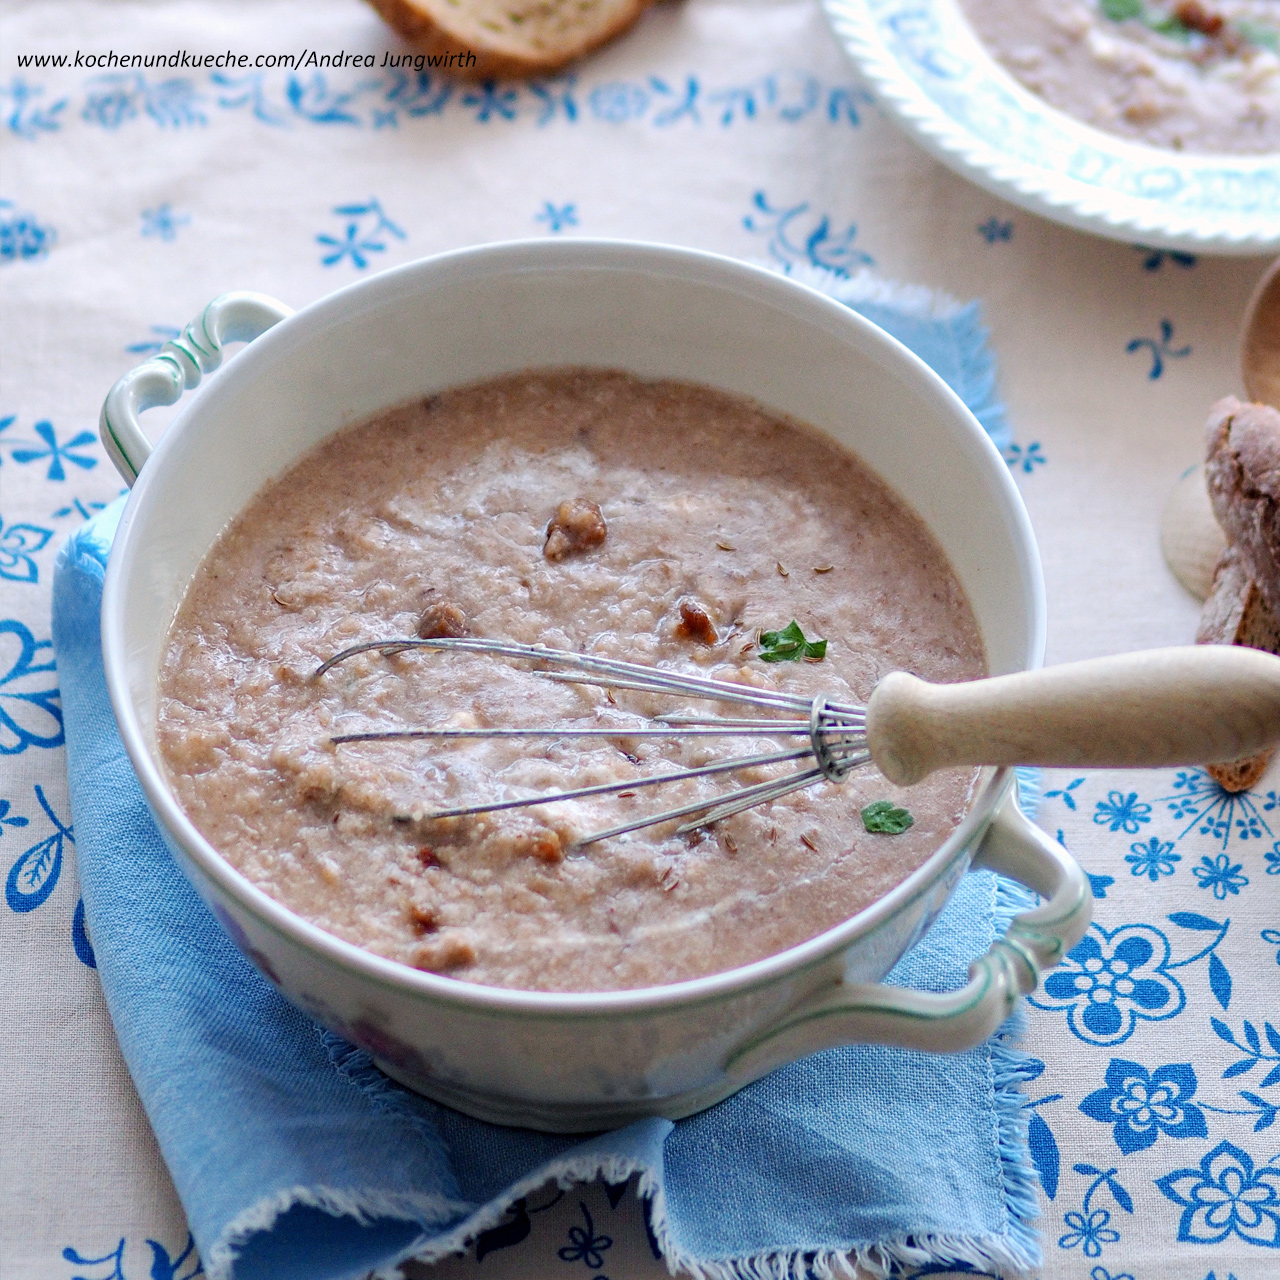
(789, 645)
(884, 818)
(1120, 10)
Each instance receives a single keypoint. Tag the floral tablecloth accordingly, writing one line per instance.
(129, 197)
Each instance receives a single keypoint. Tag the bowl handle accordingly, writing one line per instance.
(178, 366)
(872, 1013)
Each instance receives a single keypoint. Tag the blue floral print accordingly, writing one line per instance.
(18, 546)
(286, 100)
(1200, 802)
(994, 231)
(26, 117)
(185, 1265)
(1108, 982)
(1221, 875)
(557, 216)
(1065, 794)
(57, 452)
(1154, 259)
(1153, 859)
(1025, 460)
(1251, 1048)
(1122, 812)
(34, 876)
(366, 231)
(1227, 1195)
(1140, 1105)
(585, 1245)
(1160, 349)
(798, 235)
(1090, 1227)
(30, 706)
(22, 235)
(162, 222)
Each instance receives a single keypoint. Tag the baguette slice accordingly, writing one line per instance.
(509, 38)
(1237, 613)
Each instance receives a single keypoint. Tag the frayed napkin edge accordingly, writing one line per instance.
(1016, 1248)
(976, 359)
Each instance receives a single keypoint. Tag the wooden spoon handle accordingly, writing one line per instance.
(1160, 707)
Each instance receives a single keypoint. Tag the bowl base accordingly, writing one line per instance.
(561, 1117)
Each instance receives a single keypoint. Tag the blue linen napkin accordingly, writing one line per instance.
(296, 1159)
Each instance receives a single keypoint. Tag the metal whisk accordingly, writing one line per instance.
(1175, 706)
(835, 730)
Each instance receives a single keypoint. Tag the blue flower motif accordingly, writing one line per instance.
(618, 101)
(1153, 859)
(27, 118)
(21, 236)
(1249, 827)
(1101, 1273)
(1160, 349)
(161, 333)
(1226, 1196)
(557, 217)
(1065, 792)
(1122, 813)
(1108, 981)
(1142, 1104)
(366, 231)
(1026, 460)
(352, 245)
(993, 230)
(1098, 885)
(1091, 1232)
(798, 235)
(163, 222)
(313, 100)
(34, 876)
(18, 821)
(30, 707)
(1272, 857)
(1221, 875)
(57, 453)
(584, 1245)
(83, 509)
(18, 545)
(491, 99)
(1155, 258)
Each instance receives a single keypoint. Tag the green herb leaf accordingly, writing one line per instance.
(789, 645)
(884, 818)
(1121, 10)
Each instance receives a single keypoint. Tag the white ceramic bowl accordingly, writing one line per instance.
(929, 69)
(505, 1055)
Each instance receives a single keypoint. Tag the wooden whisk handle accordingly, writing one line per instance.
(1187, 705)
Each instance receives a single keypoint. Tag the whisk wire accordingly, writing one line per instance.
(836, 730)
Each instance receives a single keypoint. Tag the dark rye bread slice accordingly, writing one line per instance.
(1242, 472)
(508, 38)
(1236, 613)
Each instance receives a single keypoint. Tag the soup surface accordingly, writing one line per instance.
(658, 522)
(1197, 76)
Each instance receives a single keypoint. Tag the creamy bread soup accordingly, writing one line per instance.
(653, 521)
(1194, 75)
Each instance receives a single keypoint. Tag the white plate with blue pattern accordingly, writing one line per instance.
(929, 70)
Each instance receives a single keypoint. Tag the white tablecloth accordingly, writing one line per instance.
(130, 198)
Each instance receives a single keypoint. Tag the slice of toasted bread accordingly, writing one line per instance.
(508, 37)
(1242, 472)
(1236, 612)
